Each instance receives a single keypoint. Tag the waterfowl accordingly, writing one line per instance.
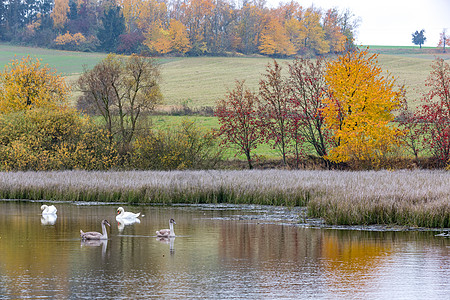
(122, 214)
(445, 233)
(48, 219)
(167, 232)
(48, 209)
(92, 235)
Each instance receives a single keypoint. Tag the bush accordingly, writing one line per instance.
(183, 146)
(43, 139)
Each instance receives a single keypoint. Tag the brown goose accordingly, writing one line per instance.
(92, 235)
(167, 232)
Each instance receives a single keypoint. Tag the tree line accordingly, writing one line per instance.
(176, 27)
(347, 112)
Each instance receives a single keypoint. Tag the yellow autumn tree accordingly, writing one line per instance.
(359, 109)
(59, 14)
(274, 39)
(312, 31)
(157, 39)
(26, 83)
(179, 37)
(163, 41)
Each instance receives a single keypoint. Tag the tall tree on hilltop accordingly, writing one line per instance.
(444, 40)
(418, 38)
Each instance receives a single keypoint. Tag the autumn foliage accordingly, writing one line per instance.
(26, 83)
(193, 27)
(240, 124)
(360, 107)
(286, 113)
(434, 113)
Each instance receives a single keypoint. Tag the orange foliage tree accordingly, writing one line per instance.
(173, 39)
(360, 108)
(274, 39)
(312, 31)
(26, 83)
(333, 31)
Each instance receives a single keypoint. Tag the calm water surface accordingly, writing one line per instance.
(225, 252)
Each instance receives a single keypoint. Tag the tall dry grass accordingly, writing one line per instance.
(414, 198)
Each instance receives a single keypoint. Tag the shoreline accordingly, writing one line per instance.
(392, 198)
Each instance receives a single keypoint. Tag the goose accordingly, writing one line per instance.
(46, 210)
(167, 232)
(122, 214)
(92, 235)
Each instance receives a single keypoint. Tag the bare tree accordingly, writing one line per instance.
(120, 90)
(308, 88)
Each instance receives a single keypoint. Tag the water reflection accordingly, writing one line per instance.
(95, 243)
(217, 256)
(48, 219)
(121, 223)
(168, 240)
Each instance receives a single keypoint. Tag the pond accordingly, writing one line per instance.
(219, 252)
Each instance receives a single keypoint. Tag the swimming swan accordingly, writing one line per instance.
(92, 235)
(48, 219)
(167, 232)
(122, 214)
(446, 234)
(48, 209)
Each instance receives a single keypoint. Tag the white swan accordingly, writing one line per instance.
(92, 235)
(48, 219)
(48, 209)
(446, 234)
(122, 214)
(167, 232)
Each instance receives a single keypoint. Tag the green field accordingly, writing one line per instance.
(200, 81)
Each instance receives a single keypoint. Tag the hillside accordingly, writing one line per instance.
(200, 81)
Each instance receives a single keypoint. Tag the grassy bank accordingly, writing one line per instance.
(413, 198)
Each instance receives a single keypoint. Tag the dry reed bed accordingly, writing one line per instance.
(417, 198)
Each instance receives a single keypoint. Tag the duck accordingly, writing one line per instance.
(46, 210)
(122, 214)
(167, 232)
(92, 235)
